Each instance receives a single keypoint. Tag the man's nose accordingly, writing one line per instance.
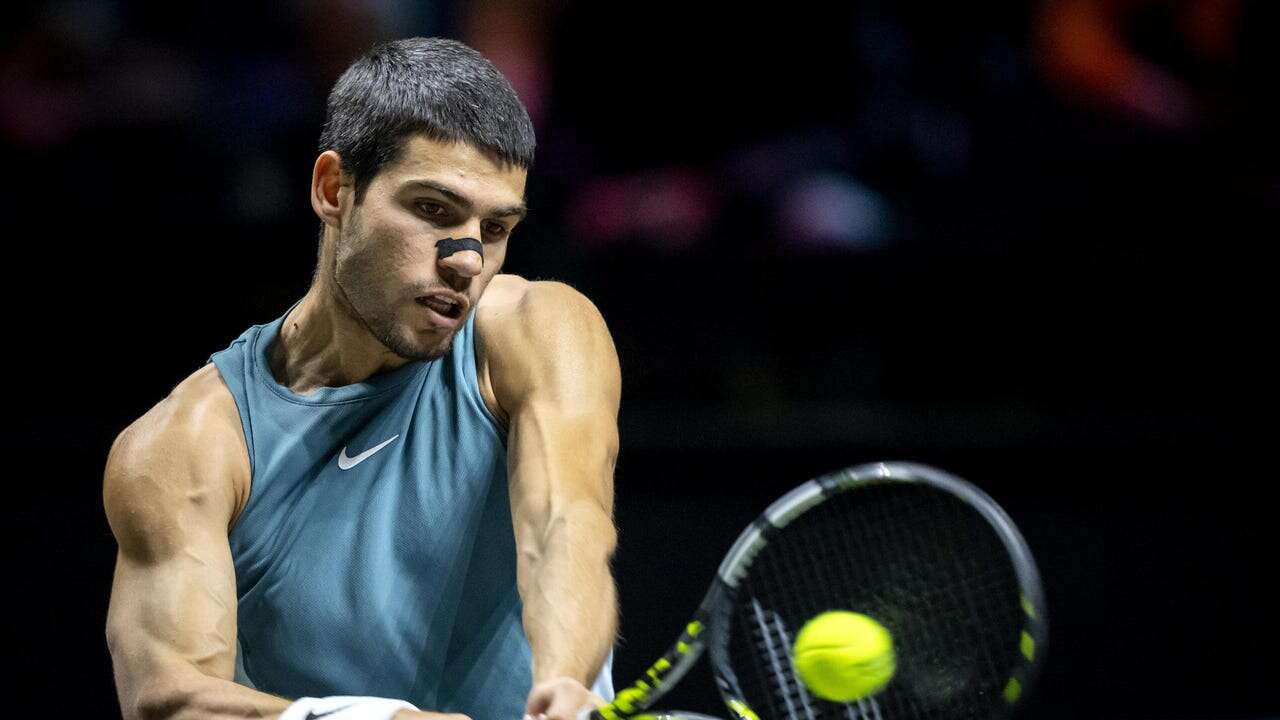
(462, 256)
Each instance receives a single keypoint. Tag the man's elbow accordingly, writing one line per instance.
(167, 699)
(149, 689)
(163, 697)
(587, 525)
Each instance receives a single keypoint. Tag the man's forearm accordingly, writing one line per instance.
(192, 695)
(570, 601)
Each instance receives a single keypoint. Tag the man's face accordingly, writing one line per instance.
(388, 266)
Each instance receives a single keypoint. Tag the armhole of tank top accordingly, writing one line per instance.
(471, 376)
(246, 430)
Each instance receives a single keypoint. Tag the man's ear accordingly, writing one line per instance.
(326, 181)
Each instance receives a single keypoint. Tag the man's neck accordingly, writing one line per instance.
(322, 344)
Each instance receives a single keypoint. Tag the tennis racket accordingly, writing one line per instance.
(926, 554)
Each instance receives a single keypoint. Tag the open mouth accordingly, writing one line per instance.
(445, 306)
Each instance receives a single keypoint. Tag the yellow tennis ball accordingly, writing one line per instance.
(843, 656)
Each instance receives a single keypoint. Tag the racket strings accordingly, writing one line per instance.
(925, 565)
(774, 642)
(807, 563)
(950, 556)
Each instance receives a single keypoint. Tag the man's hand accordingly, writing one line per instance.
(561, 699)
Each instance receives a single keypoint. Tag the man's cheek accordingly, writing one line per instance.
(495, 256)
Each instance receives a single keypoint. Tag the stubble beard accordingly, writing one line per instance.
(357, 277)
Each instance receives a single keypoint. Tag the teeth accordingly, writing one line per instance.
(439, 304)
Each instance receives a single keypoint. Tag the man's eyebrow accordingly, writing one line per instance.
(521, 210)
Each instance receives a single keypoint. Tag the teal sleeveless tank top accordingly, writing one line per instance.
(375, 555)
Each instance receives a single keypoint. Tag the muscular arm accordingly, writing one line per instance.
(554, 372)
(170, 491)
(170, 496)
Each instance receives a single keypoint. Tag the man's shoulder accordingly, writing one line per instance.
(542, 337)
(513, 305)
(198, 409)
(193, 435)
(182, 466)
(504, 292)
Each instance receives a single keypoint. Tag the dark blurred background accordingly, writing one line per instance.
(1022, 241)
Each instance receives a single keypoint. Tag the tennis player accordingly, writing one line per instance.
(398, 494)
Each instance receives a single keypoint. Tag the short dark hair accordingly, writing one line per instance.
(434, 86)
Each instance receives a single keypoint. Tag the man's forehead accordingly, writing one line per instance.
(422, 155)
(462, 172)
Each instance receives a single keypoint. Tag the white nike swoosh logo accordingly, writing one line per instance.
(346, 463)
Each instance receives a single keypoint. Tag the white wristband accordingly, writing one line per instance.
(344, 707)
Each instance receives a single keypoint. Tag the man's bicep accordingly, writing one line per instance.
(173, 597)
(558, 460)
(173, 614)
(560, 383)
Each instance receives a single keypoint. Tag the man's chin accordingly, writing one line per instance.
(424, 349)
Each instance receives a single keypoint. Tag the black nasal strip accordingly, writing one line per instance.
(449, 246)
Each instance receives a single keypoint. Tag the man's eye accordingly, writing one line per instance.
(430, 209)
(496, 229)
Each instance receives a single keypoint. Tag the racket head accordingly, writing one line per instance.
(925, 553)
